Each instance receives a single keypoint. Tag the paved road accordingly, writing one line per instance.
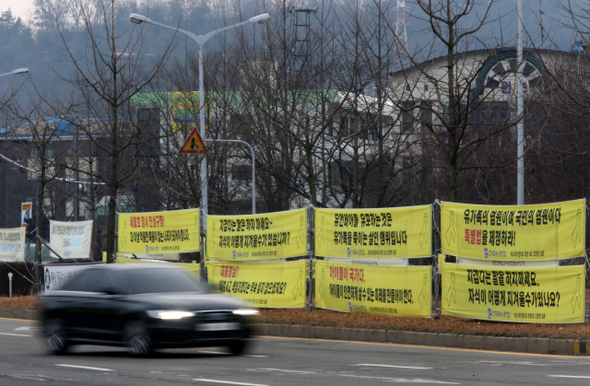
(279, 362)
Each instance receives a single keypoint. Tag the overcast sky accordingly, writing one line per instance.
(19, 8)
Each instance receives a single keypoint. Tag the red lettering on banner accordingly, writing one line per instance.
(347, 274)
(473, 236)
(229, 271)
(153, 221)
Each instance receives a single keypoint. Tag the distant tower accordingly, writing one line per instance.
(302, 32)
(401, 42)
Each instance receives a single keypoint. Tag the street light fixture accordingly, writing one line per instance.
(18, 71)
(200, 40)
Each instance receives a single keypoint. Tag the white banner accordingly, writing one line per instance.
(12, 244)
(56, 274)
(71, 240)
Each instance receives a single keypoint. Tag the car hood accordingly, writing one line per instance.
(188, 301)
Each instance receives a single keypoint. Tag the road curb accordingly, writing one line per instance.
(476, 342)
(19, 314)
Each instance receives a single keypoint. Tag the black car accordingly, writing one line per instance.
(142, 307)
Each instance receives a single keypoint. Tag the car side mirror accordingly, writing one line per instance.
(109, 291)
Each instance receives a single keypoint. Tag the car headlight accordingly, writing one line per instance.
(245, 312)
(169, 315)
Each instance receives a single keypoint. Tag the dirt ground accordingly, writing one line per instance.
(444, 324)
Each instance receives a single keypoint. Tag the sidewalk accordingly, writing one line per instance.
(476, 342)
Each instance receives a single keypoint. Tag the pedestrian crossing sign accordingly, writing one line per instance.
(193, 144)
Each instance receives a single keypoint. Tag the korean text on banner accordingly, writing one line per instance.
(399, 291)
(531, 295)
(174, 231)
(71, 240)
(374, 233)
(257, 237)
(268, 285)
(526, 232)
(12, 244)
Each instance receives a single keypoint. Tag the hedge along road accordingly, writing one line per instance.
(279, 361)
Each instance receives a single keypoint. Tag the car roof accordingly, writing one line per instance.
(134, 266)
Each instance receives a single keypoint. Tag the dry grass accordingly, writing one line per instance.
(445, 324)
(20, 302)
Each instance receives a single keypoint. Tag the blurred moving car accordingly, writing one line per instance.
(142, 307)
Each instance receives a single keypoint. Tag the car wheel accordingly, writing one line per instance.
(137, 339)
(237, 347)
(55, 337)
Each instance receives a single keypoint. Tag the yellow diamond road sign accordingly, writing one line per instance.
(193, 144)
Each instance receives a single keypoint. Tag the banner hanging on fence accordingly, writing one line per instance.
(267, 285)
(71, 240)
(399, 291)
(12, 244)
(526, 232)
(257, 237)
(374, 233)
(174, 231)
(524, 295)
(56, 274)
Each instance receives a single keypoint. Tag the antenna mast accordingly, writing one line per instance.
(401, 33)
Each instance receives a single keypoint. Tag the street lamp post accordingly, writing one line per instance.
(200, 40)
(253, 166)
(519, 109)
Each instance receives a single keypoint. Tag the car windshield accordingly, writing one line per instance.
(142, 281)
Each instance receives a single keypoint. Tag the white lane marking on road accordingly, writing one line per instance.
(84, 367)
(570, 376)
(226, 382)
(402, 380)
(288, 371)
(28, 378)
(27, 329)
(257, 356)
(9, 334)
(212, 352)
(394, 366)
(168, 373)
(501, 363)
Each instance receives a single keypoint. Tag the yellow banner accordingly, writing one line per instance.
(185, 110)
(374, 233)
(191, 267)
(265, 285)
(399, 291)
(526, 232)
(257, 237)
(525, 295)
(159, 232)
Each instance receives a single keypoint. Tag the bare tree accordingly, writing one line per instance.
(446, 96)
(109, 71)
(37, 136)
(288, 107)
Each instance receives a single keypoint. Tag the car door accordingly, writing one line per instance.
(100, 307)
